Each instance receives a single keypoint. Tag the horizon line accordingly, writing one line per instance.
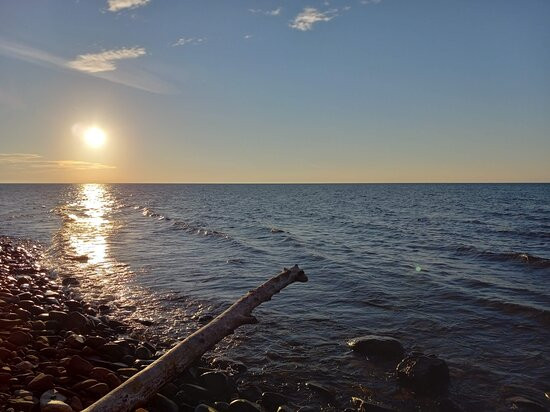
(278, 183)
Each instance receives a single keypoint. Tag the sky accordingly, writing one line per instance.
(275, 91)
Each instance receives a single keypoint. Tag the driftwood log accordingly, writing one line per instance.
(143, 385)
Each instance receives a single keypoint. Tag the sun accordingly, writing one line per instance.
(95, 137)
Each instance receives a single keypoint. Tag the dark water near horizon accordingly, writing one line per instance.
(461, 271)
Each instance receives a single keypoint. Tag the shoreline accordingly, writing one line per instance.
(59, 353)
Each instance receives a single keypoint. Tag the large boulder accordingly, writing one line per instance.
(426, 374)
(375, 345)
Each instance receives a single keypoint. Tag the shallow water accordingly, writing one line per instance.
(460, 271)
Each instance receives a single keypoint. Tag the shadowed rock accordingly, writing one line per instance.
(425, 374)
(374, 345)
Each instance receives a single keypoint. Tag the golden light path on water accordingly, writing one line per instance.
(85, 247)
(88, 231)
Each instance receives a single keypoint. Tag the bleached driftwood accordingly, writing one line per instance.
(140, 387)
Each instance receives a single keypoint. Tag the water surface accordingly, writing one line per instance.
(461, 271)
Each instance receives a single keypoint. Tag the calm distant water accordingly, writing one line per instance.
(461, 271)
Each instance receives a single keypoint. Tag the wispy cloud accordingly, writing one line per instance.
(247, 36)
(102, 65)
(35, 161)
(104, 61)
(305, 20)
(274, 12)
(370, 1)
(117, 5)
(188, 40)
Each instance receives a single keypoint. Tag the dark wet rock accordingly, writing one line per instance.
(5, 354)
(79, 366)
(106, 376)
(104, 308)
(319, 388)
(99, 389)
(75, 341)
(374, 345)
(85, 384)
(23, 400)
(250, 391)
(76, 322)
(169, 390)
(195, 393)
(243, 405)
(51, 394)
(143, 353)
(310, 408)
(76, 403)
(73, 305)
(446, 405)
(7, 324)
(113, 350)
(70, 281)
(223, 362)
(56, 406)
(204, 408)
(272, 400)
(48, 352)
(127, 371)
(219, 384)
(221, 406)
(205, 319)
(162, 403)
(425, 374)
(20, 338)
(41, 382)
(522, 404)
(95, 341)
(57, 315)
(362, 405)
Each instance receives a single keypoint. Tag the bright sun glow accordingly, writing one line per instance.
(95, 137)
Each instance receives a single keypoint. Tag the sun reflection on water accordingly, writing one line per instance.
(89, 224)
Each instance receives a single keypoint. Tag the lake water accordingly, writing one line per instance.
(460, 271)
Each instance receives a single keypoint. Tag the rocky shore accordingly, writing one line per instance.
(60, 354)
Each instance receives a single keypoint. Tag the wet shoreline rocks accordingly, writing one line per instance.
(59, 353)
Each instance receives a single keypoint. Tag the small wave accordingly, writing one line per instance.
(525, 234)
(150, 213)
(192, 229)
(539, 314)
(79, 258)
(520, 257)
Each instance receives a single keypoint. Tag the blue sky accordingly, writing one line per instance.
(275, 91)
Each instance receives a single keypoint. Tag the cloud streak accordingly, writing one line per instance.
(188, 40)
(305, 20)
(117, 5)
(274, 12)
(104, 61)
(35, 161)
(102, 65)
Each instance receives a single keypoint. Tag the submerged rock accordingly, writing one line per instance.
(219, 384)
(521, 404)
(376, 345)
(272, 400)
(322, 389)
(162, 403)
(425, 374)
(243, 405)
